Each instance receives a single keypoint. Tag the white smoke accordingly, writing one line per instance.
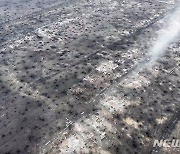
(168, 35)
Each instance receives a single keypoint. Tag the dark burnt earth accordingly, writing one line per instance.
(74, 77)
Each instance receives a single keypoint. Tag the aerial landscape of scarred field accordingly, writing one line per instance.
(89, 76)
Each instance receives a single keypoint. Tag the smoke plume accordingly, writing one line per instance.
(168, 35)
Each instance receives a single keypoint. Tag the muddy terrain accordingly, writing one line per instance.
(75, 77)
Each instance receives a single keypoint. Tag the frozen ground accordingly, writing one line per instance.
(71, 78)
